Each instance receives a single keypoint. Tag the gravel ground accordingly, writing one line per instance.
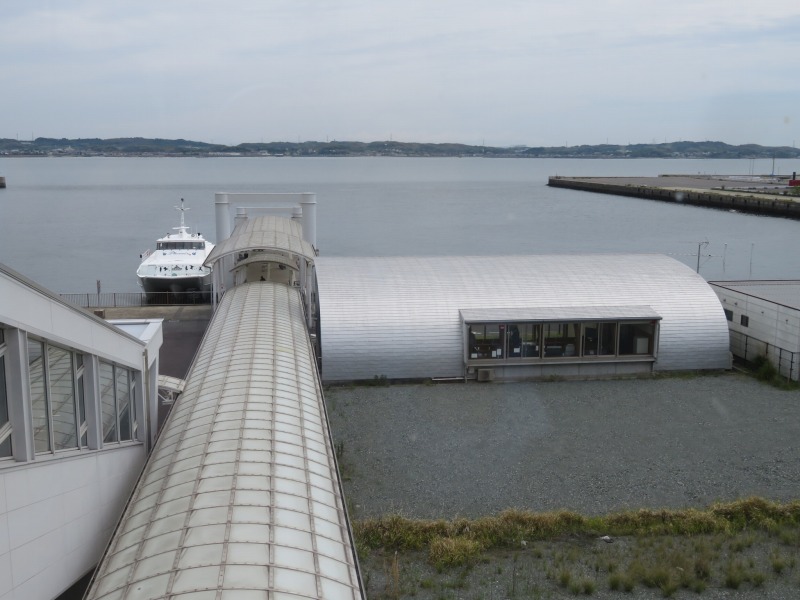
(447, 450)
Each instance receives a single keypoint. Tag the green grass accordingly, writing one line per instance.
(668, 551)
(512, 527)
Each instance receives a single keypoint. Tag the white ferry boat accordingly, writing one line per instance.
(176, 265)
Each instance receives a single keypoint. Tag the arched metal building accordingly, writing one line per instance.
(515, 317)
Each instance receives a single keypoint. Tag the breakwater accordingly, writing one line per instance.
(766, 196)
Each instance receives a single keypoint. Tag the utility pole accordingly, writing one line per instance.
(699, 246)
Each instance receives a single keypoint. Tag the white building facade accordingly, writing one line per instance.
(77, 404)
(764, 320)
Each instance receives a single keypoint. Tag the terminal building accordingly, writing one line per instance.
(241, 496)
(515, 317)
(78, 402)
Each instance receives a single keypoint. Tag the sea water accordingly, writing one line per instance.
(68, 223)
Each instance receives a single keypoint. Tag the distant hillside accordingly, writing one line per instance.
(162, 147)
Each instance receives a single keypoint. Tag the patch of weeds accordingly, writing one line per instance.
(669, 588)
(742, 543)
(764, 370)
(453, 552)
(564, 578)
(735, 575)
(656, 577)
(789, 537)
(778, 564)
(702, 568)
(588, 586)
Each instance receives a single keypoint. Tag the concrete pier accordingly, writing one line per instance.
(764, 195)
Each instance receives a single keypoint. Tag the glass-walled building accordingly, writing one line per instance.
(515, 317)
(78, 398)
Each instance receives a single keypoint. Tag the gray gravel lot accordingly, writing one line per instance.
(446, 450)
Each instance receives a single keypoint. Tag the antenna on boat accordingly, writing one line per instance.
(182, 210)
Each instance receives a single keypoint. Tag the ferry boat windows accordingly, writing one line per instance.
(180, 245)
(590, 340)
(5, 423)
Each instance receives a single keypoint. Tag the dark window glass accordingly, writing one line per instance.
(729, 314)
(745, 321)
(636, 338)
(607, 342)
(39, 409)
(485, 340)
(134, 423)
(591, 339)
(82, 412)
(561, 339)
(62, 398)
(123, 403)
(109, 407)
(5, 442)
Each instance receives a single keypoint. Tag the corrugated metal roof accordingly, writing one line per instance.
(399, 316)
(264, 233)
(783, 292)
(240, 498)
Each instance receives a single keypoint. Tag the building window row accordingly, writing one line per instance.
(543, 340)
(61, 385)
(58, 404)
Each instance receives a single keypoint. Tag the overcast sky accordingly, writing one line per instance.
(494, 72)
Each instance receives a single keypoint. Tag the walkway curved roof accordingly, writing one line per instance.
(401, 316)
(264, 233)
(241, 497)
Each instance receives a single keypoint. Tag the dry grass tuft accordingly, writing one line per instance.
(453, 552)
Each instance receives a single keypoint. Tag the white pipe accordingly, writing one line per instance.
(309, 206)
(223, 217)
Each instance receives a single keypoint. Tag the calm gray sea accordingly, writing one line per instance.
(67, 222)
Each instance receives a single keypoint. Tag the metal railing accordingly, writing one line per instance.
(123, 299)
(749, 348)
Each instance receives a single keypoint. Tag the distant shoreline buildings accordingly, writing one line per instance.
(185, 148)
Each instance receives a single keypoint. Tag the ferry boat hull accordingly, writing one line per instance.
(176, 267)
(175, 285)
